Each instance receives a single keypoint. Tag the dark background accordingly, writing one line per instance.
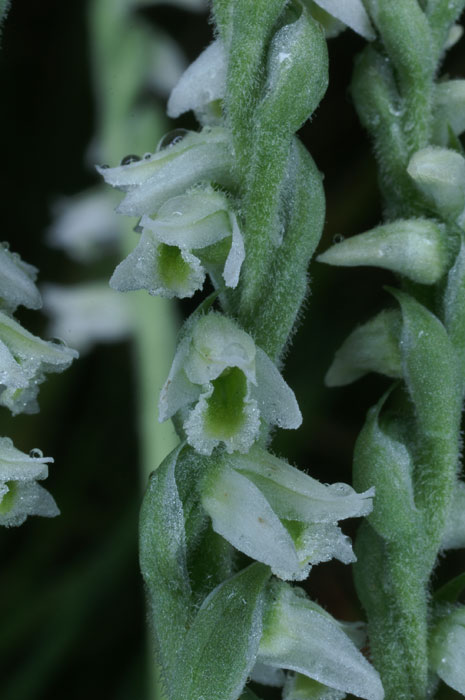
(71, 600)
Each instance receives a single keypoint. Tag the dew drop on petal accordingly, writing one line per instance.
(171, 138)
(338, 238)
(35, 453)
(131, 158)
(105, 166)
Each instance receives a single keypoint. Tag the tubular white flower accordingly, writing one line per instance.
(24, 360)
(190, 234)
(202, 83)
(232, 384)
(300, 636)
(17, 282)
(447, 649)
(20, 494)
(278, 515)
(198, 157)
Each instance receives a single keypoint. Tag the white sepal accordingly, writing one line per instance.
(84, 225)
(24, 360)
(20, 495)
(86, 314)
(286, 519)
(17, 282)
(447, 649)
(300, 636)
(203, 82)
(198, 157)
(350, 12)
(300, 687)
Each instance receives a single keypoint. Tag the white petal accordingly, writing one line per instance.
(204, 438)
(142, 269)
(87, 314)
(84, 225)
(276, 400)
(191, 221)
(232, 267)
(19, 466)
(203, 82)
(350, 12)
(29, 499)
(304, 638)
(218, 343)
(297, 496)
(267, 675)
(17, 282)
(208, 162)
(178, 391)
(241, 514)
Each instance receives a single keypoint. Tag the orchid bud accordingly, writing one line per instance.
(439, 173)
(373, 347)
(413, 248)
(20, 494)
(228, 385)
(278, 515)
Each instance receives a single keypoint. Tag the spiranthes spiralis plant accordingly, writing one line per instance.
(409, 447)
(225, 523)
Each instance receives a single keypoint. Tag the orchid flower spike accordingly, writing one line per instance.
(191, 234)
(227, 385)
(279, 515)
(20, 494)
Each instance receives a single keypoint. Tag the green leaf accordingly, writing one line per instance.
(384, 461)
(221, 646)
(163, 563)
(431, 374)
(454, 306)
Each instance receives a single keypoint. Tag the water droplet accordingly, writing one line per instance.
(147, 156)
(171, 138)
(59, 341)
(105, 166)
(338, 238)
(131, 158)
(35, 453)
(6, 245)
